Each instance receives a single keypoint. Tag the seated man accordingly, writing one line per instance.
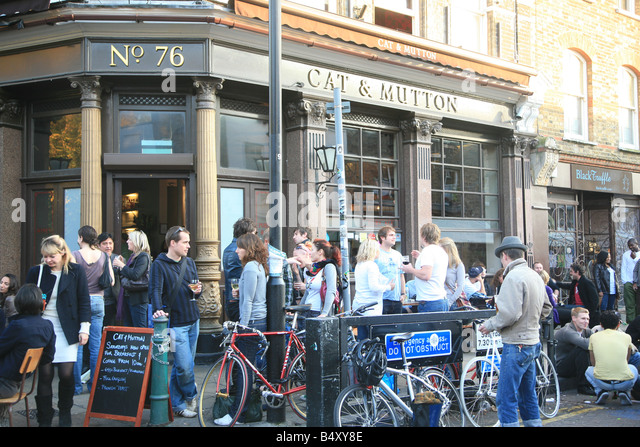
(572, 354)
(609, 351)
(474, 288)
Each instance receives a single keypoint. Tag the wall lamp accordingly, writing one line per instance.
(326, 157)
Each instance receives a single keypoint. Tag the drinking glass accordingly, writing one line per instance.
(194, 286)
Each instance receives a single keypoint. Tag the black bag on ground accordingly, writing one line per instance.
(254, 407)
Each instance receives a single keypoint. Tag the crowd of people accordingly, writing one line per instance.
(66, 300)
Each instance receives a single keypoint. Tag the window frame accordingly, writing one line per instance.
(459, 9)
(51, 109)
(631, 108)
(582, 97)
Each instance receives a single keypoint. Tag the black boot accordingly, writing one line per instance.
(65, 402)
(44, 407)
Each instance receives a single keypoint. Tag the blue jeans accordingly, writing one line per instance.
(600, 385)
(138, 314)
(517, 386)
(434, 306)
(608, 300)
(182, 385)
(95, 338)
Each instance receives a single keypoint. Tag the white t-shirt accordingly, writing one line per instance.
(471, 288)
(432, 290)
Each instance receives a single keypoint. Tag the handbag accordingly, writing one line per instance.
(105, 279)
(323, 292)
(253, 412)
(136, 285)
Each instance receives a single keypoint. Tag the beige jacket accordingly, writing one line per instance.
(521, 304)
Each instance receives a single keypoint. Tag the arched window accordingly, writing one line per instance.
(574, 87)
(628, 108)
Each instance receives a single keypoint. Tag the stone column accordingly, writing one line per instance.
(416, 178)
(306, 126)
(91, 171)
(207, 231)
(516, 188)
(11, 200)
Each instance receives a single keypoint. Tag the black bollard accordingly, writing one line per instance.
(275, 354)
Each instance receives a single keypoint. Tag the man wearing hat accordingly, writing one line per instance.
(521, 304)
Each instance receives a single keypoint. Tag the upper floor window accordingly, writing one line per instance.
(469, 25)
(628, 6)
(325, 5)
(396, 15)
(575, 89)
(628, 108)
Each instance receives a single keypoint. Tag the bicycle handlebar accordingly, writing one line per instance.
(359, 310)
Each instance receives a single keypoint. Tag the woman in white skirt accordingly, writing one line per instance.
(65, 290)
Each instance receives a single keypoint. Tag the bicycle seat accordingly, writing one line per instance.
(297, 308)
(401, 338)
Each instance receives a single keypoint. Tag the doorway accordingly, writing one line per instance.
(150, 204)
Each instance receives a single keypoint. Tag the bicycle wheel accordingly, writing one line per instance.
(452, 413)
(296, 385)
(359, 406)
(478, 389)
(219, 388)
(547, 387)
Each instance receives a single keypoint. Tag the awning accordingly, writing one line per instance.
(321, 24)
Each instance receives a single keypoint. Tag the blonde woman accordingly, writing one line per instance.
(133, 302)
(68, 307)
(370, 283)
(454, 281)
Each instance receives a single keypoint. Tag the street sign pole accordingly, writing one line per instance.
(340, 107)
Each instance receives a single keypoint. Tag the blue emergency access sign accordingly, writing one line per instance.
(422, 344)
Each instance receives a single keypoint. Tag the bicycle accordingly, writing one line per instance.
(229, 374)
(479, 383)
(360, 405)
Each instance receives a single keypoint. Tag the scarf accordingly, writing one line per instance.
(318, 266)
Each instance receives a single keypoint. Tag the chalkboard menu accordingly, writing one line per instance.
(122, 374)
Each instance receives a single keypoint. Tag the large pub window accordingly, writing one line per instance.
(465, 197)
(372, 183)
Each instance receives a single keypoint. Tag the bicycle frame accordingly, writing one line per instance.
(293, 340)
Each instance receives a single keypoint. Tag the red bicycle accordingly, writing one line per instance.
(227, 378)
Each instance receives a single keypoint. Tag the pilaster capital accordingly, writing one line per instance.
(90, 90)
(517, 145)
(420, 129)
(207, 91)
(306, 112)
(10, 111)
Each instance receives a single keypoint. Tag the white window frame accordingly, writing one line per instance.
(575, 91)
(628, 6)
(322, 5)
(399, 6)
(461, 12)
(628, 106)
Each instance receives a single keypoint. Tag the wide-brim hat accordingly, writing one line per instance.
(510, 242)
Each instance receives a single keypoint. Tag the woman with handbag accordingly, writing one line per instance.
(252, 296)
(68, 307)
(134, 280)
(97, 266)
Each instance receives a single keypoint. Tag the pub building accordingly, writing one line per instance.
(145, 115)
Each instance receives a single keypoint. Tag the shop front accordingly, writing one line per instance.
(146, 130)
